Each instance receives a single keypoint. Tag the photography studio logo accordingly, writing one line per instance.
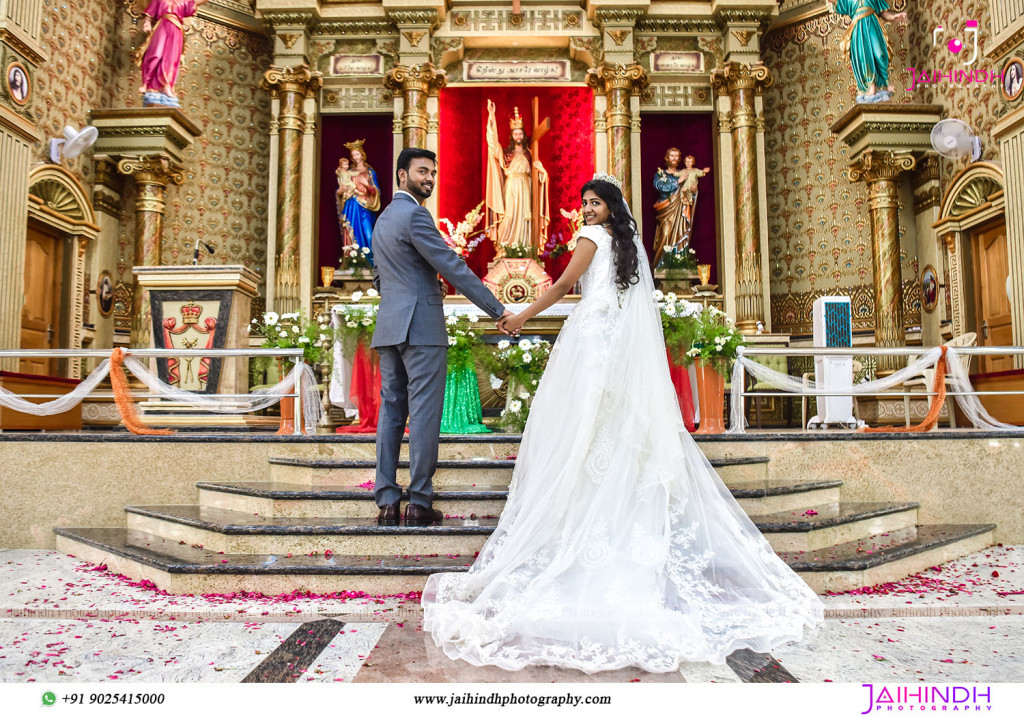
(928, 698)
(962, 47)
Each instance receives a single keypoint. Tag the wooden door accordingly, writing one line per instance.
(40, 314)
(991, 268)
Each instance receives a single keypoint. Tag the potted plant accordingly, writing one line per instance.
(678, 266)
(713, 350)
(521, 365)
(293, 331)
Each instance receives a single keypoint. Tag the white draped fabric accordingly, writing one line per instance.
(255, 401)
(619, 545)
(59, 405)
(957, 381)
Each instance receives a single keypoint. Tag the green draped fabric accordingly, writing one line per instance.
(869, 54)
(462, 411)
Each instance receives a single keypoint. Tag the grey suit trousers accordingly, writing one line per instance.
(412, 380)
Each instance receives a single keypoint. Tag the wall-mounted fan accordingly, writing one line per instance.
(73, 144)
(954, 139)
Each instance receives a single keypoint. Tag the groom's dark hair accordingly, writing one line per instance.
(407, 155)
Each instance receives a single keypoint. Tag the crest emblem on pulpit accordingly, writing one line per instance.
(194, 331)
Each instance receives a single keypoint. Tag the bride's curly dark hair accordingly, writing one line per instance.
(622, 227)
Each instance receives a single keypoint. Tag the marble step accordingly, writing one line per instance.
(332, 471)
(831, 524)
(236, 532)
(887, 557)
(184, 569)
(270, 498)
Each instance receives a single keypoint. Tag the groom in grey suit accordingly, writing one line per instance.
(411, 337)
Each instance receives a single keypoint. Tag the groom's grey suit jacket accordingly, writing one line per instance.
(408, 254)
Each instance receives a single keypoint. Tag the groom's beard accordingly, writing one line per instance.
(418, 190)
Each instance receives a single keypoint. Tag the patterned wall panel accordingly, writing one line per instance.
(224, 198)
(84, 70)
(978, 104)
(819, 239)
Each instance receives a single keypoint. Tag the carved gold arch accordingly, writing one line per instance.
(975, 197)
(56, 199)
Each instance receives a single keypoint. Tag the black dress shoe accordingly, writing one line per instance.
(390, 514)
(418, 515)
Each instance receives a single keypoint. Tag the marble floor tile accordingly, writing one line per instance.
(131, 651)
(932, 649)
(405, 653)
(50, 584)
(343, 658)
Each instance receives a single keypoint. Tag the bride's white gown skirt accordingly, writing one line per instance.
(619, 545)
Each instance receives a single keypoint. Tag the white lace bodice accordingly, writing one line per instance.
(599, 278)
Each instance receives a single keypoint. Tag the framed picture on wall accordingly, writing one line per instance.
(1013, 79)
(929, 289)
(105, 294)
(18, 86)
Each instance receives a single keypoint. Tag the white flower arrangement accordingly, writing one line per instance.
(458, 236)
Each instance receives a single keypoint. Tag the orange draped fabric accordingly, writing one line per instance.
(123, 398)
(939, 389)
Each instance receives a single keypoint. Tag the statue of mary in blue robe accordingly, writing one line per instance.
(868, 46)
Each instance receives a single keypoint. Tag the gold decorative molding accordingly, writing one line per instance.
(423, 77)
(679, 26)
(745, 16)
(427, 18)
(743, 36)
(973, 195)
(873, 166)
(618, 36)
(355, 27)
(970, 189)
(736, 76)
(22, 46)
(617, 16)
(287, 19)
(288, 39)
(152, 169)
(414, 36)
(300, 79)
(610, 76)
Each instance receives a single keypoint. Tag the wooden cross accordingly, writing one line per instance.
(539, 130)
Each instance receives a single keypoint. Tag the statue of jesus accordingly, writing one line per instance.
(159, 57)
(510, 191)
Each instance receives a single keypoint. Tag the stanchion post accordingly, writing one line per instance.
(299, 409)
(742, 376)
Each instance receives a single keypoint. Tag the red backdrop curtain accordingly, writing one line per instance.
(567, 151)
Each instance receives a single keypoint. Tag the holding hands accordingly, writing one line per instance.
(510, 324)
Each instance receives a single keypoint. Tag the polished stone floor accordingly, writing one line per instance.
(62, 621)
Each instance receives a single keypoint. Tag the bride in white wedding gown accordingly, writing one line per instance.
(619, 545)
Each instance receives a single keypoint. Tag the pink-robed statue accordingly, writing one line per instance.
(160, 56)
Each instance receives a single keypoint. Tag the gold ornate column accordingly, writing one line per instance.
(881, 170)
(152, 174)
(290, 86)
(415, 83)
(740, 82)
(618, 83)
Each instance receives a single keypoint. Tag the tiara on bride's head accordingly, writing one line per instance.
(605, 177)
